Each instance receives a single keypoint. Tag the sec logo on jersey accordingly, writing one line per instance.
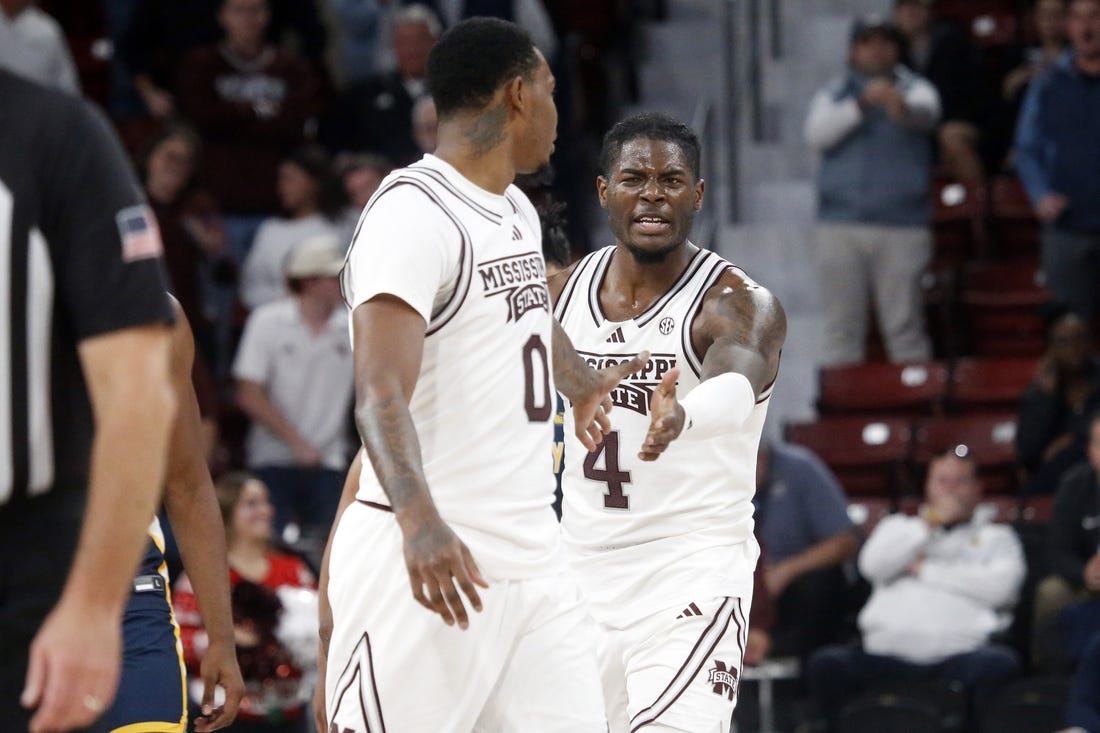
(666, 325)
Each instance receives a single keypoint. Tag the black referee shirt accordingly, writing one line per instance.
(79, 257)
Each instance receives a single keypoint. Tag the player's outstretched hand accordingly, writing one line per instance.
(437, 561)
(666, 418)
(590, 415)
(73, 669)
(219, 667)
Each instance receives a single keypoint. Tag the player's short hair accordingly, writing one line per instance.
(650, 126)
(473, 59)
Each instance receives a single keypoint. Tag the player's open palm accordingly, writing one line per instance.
(590, 414)
(438, 561)
(666, 418)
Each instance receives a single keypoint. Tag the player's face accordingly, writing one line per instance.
(253, 517)
(651, 197)
(536, 142)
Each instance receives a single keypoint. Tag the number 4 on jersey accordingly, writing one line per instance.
(610, 474)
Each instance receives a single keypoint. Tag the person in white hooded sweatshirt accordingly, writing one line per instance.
(944, 582)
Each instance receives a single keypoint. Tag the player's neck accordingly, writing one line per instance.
(492, 169)
(632, 286)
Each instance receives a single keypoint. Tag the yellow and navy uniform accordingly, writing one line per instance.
(152, 693)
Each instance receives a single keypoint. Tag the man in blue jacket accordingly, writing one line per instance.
(1058, 156)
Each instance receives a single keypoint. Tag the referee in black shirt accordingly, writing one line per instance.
(85, 403)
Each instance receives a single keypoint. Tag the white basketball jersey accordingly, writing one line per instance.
(484, 400)
(642, 536)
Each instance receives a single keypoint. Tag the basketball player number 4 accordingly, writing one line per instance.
(610, 474)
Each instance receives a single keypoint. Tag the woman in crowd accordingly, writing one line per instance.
(274, 613)
(313, 200)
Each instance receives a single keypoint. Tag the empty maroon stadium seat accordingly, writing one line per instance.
(990, 440)
(867, 511)
(880, 388)
(1015, 228)
(1002, 303)
(958, 222)
(990, 384)
(866, 454)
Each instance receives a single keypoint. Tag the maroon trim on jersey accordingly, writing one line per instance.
(697, 263)
(571, 283)
(693, 661)
(443, 316)
(359, 672)
(767, 391)
(695, 360)
(376, 505)
(594, 284)
(355, 235)
(484, 211)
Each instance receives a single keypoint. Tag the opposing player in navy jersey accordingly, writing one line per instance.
(85, 403)
(152, 692)
(658, 521)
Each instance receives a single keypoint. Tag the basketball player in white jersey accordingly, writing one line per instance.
(453, 336)
(658, 521)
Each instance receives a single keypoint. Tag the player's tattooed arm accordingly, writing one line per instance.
(389, 345)
(588, 389)
(740, 330)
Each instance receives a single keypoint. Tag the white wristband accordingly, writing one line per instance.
(717, 406)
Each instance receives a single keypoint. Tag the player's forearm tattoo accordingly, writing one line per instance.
(572, 376)
(387, 431)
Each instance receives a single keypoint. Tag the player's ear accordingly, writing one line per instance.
(699, 186)
(601, 191)
(515, 93)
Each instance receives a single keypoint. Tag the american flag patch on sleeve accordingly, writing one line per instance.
(139, 233)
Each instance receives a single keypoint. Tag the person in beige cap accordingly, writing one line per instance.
(295, 380)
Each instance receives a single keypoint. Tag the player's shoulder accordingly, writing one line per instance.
(522, 205)
(561, 279)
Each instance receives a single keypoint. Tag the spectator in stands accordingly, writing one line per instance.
(366, 35)
(189, 221)
(361, 174)
(875, 232)
(161, 33)
(425, 123)
(313, 200)
(250, 103)
(1050, 31)
(1083, 711)
(295, 381)
(944, 583)
(943, 54)
(1057, 149)
(1052, 427)
(375, 115)
(269, 625)
(1073, 554)
(32, 45)
(530, 15)
(802, 517)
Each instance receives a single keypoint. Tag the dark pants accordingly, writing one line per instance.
(1071, 262)
(37, 541)
(809, 613)
(1084, 697)
(837, 674)
(309, 496)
